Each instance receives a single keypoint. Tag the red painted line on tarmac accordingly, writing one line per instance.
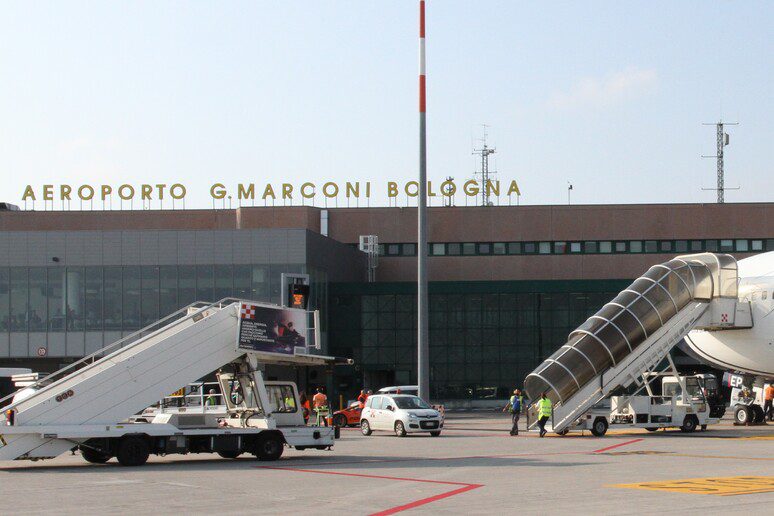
(399, 508)
(425, 501)
(617, 445)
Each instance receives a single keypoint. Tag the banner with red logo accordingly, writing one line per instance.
(271, 329)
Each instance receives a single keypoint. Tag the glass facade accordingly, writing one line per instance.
(485, 337)
(127, 298)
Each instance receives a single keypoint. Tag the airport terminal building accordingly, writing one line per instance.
(507, 283)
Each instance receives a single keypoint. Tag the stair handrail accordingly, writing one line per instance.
(45, 383)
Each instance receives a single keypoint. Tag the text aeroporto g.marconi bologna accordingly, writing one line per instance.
(267, 191)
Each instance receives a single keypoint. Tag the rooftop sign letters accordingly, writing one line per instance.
(268, 191)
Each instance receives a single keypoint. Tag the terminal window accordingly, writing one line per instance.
(438, 249)
(219, 283)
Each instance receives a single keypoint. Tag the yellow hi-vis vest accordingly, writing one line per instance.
(544, 405)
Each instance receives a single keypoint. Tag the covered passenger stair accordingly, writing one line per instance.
(616, 347)
(128, 376)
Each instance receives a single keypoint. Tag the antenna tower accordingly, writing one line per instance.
(722, 141)
(484, 152)
(448, 199)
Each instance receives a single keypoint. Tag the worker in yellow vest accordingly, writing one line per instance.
(544, 413)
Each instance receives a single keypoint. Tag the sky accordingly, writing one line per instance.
(607, 96)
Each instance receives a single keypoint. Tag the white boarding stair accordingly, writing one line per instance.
(630, 370)
(103, 389)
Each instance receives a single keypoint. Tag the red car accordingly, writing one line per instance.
(350, 416)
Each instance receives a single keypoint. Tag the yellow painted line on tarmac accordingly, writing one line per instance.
(697, 456)
(720, 486)
(750, 438)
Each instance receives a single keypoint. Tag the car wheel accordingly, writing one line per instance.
(230, 454)
(651, 428)
(365, 428)
(93, 456)
(133, 451)
(599, 428)
(269, 447)
(435, 434)
(340, 420)
(689, 424)
(400, 430)
(742, 415)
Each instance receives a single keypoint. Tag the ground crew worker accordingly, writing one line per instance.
(290, 403)
(768, 409)
(211, 398)
(544, 413)
(306, 409)
(320, 404)
(362, 398)
(514, 406)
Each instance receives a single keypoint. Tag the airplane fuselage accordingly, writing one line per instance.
(744, 350)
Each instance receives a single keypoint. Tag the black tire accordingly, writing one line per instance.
(133, 451)
(651, 428)
(435, 434)
(269, 447)
(564, 432)
(365, 428)
(742, 415)
(230, 454)
(400, 429)
(340, 420)
(599, 428)
(689, 424)
(703, 428)
(93, 456)
(757, 413)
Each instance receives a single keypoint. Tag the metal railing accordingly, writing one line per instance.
(53, 380)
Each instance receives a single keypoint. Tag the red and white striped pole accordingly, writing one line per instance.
(423, 349)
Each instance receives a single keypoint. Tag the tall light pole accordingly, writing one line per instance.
(423, 348)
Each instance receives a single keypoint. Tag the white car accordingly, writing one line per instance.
(400, 389)
(399, 413)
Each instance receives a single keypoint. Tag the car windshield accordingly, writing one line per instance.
(410, 402)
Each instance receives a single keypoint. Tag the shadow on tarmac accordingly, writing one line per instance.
(318, 462)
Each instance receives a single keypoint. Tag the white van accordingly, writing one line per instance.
(400, 389)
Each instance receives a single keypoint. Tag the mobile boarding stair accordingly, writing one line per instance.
(624, 341)
(96, 394)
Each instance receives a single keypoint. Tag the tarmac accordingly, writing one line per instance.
(475, 467)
